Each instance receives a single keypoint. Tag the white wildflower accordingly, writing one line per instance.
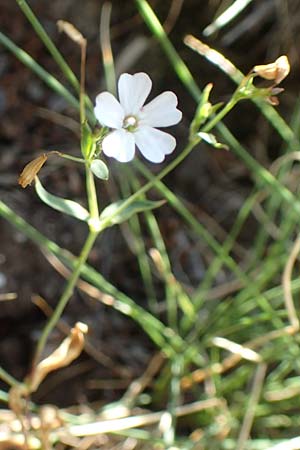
(134, 124)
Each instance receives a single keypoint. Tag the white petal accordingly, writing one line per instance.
(154, 144)
(133, 91)
(108, 111)
(161, 111)
(120, 145)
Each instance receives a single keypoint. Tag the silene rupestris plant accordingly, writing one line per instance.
(122, 128)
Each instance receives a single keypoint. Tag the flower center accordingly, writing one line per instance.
(130, 123)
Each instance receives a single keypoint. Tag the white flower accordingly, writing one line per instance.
(133, 123)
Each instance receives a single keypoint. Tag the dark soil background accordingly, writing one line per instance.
(213, 182)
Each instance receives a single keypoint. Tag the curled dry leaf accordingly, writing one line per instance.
(68, 350)
(31, 170)
(276, 71)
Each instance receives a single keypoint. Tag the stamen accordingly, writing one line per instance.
(130, 123)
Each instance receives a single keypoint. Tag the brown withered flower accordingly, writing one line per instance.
(31, 170)
(276, 71)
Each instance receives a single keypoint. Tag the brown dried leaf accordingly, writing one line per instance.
(69, 349)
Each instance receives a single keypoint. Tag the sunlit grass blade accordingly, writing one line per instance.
(105, 43)
(226, 17)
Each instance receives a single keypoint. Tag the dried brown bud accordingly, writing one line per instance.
(31, 170)
(276, 71)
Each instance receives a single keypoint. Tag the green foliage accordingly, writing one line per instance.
(61, 204)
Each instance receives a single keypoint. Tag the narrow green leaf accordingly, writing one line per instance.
(61, 204)
(100, 169)
(114, 213)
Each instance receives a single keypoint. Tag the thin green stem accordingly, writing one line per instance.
(221, 114)
(69, 289)
(7, 378)
(82, 82)
(92, 195)
(70, 157)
